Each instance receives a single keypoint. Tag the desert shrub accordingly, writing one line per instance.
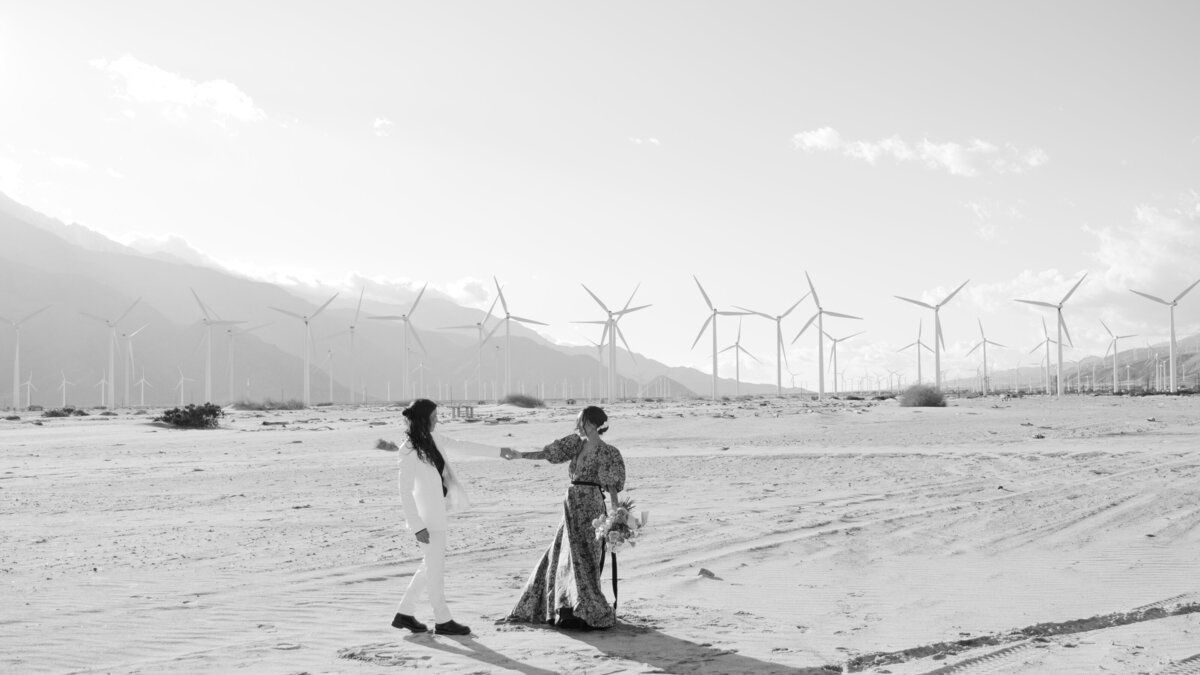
(193, 416)
(268, 404)
(524, 401)
(922, 396)
(13, 418)
(69, 411)
(853, 397)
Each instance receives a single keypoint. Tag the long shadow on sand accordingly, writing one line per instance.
(469, 647)
(644, 644)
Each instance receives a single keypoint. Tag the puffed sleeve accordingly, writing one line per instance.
(563, 450)
(611, 472)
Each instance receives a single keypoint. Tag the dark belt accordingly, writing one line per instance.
(588, 482)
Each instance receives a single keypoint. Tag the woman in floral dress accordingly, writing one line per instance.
(564, 588)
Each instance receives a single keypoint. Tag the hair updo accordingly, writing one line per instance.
(593, 415)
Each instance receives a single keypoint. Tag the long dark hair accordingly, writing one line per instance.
(420, 435)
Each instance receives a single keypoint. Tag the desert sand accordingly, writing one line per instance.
(1002, 536)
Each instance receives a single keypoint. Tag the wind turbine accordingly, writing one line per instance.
(819, 317)
(780, 354)
(1171, 306)
(508, 319)
(353, 346)
(27, 384)
(483, 334)
(103, 384)
(112, 349)
(939, 342)
(1112, 346)
(129, 360)
(612, 331)
(179, 385)
(210, 319)
(143, 383)
(230, 333)
(712, 318)
(738, 350)
(833, 356)
(919, 345)
(17, 354)
(307, 343)
(406, 327)
(1062, 326)
(1046, 342)
(984, 342)
(63, 388)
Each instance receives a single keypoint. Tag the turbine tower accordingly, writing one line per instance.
(508, 319)
(230, 333)
(738, 350)
(129, 371)
(984, 342)
(483, 334)
(111, 385)
(1171, 306)
(16, 401)
(1062, 327)
(712, 318)
(209, 319)
(780, 356)
(63, 388)
(1112, 346)
(306, 318)
(613, 331)
(819, 317)
(919, 346)
(833, 356)
(1046, 342)
(28, 383)
(939, 343)
(179, 385)
(143, 383)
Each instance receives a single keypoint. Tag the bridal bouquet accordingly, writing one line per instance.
(619, 527)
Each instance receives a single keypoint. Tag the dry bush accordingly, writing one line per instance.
(922, 396)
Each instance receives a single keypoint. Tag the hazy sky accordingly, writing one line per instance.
(886, 148)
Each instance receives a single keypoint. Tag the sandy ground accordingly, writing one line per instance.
(784, 537)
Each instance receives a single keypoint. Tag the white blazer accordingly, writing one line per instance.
(421, 487)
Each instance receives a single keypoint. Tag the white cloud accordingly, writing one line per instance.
(648, 141)
(145, 83)
(381, 126)
(1156, 252)
(959, 159)
(113, 173)
(70, 163)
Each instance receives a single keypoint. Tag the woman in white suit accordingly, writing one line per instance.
(429, 491)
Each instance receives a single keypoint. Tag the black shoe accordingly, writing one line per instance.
(568, 621)
(450, 627)
(409, 622)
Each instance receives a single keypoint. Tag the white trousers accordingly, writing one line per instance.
(431, 577)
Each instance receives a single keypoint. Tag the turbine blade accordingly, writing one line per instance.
(489, 312)
(358, 309)
(812, 289)
(385, 317)
(1039, 303)
(500, 293)
(471, 327)
(630, 311)
(538, 323)
(699, 335)
(416, 302)
(751, 311)
(1106, 330)
(17, 324)
(789, 311)
(743, 350)
(598, 300)
(972, 350)
(126, 312)
(630, 300)
(417, 336)
(706, 300)
(842, 316)
(1072, 291)
(203, 309)
(1147, 295)
(621, 334)
(954, 293)
(284, 311)
(1063, 322)
(492, 332)
(996, 344)
(806, 325)
(322, 307)
(1185, 291)
(915, 302)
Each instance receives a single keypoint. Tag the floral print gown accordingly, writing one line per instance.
(568, 574)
